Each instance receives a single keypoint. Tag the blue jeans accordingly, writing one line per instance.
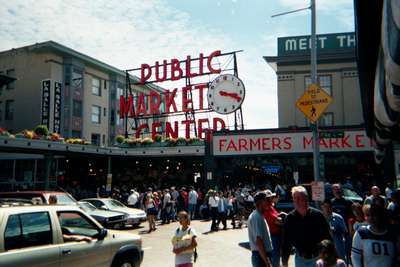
(276, 252)
(256, 260)
(303, 262)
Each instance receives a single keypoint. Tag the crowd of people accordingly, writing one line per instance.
(339, 232)
(342, 233)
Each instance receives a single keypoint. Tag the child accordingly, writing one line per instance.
(328, 256)
(184, 242)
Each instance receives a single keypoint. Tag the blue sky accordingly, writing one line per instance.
(128, 33)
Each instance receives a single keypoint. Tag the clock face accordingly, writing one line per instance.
(225, 94)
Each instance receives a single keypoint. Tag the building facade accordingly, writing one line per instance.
(73, 94)
(337, 75)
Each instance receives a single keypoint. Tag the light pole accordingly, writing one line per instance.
(314, 79)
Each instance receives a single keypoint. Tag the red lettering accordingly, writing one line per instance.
(359, 140)
(231, 145)
(323, 143)
(221, 144)
(170, 100)
(187, 127)
(215, 124)
(288, 142)
(155, 105)
(345, 141)
(200, 128)
(175, 67)
(154, 126)
(140, 128)
(188, 68)
(201, 60)
(164, 71)
(306, 142)
(209, 61)
(169, 132)
(255, 143)
(143, 75)
(201, 87)
(242, 144)
(187, 103)
(333, 142)
(265, 144)
(141, 105)
(125, 107)
(276, 143)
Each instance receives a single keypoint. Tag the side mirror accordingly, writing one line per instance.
(102, 234)
(103, 207)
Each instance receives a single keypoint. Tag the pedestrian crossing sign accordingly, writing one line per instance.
(314, 102)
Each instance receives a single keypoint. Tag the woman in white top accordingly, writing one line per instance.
(184, 242)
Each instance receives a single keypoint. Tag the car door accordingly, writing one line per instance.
(28, 241)
(74, 253)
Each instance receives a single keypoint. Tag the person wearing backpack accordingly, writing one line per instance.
(184, 242)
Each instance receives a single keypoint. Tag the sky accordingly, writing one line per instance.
(127, 33)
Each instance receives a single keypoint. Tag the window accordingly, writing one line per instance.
(96, 86)
(104, 112)
(77, 77)
(28, 230)
(97, 203)
(326, 119)
(77, 108)
(76, 134)
(96, 112)
(105, 85)
(120, 91)
(74, 223)
(9, 110)
(95, 138)
(104, 139)
(325, 81)
(11, 73)
(1, 110)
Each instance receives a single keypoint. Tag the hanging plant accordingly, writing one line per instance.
(119, 139)
(181, 141)
(41, 130)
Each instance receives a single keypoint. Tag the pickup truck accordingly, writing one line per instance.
(60, 235)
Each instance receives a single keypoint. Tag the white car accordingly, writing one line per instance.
(135, 216)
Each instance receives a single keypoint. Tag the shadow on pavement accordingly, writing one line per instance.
(245, 245)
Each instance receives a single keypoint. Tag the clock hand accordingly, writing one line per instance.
(231, 95)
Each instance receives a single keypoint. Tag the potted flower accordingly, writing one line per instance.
(146, 141)
(157, 138)
(170, 141)
(131, 142)
(41, 131)
(28, 134)
(181, 141)
(4, 132)
(119, 139)
(55, 137)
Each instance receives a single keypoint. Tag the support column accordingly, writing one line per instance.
(109, 175)
(48, 160)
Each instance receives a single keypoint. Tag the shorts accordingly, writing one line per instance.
(192, 207)
(152, 211)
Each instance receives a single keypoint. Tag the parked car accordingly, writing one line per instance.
(135, 216)
(48, 235)
(63, 198)
(107, 218)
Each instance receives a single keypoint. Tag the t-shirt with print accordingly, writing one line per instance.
(183, 239)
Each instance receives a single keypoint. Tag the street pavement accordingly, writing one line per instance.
(222, 248)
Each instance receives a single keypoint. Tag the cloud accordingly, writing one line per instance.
(133, 32)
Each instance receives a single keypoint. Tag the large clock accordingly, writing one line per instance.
(225, 94)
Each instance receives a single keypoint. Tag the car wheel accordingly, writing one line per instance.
(125, 262)
(135, 225)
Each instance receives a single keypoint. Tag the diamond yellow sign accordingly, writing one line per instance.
(314, 102)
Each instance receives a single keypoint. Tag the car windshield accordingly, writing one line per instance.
(112, 203)
(65, 199)
(86, 206)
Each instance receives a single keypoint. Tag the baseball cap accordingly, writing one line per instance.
(269, 193)
(260, 196)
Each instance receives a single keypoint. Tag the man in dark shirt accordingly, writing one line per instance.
(304, 229)
(341, 205)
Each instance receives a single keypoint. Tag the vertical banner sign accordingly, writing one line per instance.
(57, 107)
(45, 112)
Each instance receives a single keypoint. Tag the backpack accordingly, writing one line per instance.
(195, 255)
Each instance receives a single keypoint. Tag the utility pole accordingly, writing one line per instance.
(314, 80)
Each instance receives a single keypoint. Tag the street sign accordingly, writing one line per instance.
(314, 102)
(331, 134)
(318, 191)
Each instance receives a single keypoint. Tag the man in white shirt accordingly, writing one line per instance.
(192, 202)
(213, 204)
(166, 207)
(133, 198)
